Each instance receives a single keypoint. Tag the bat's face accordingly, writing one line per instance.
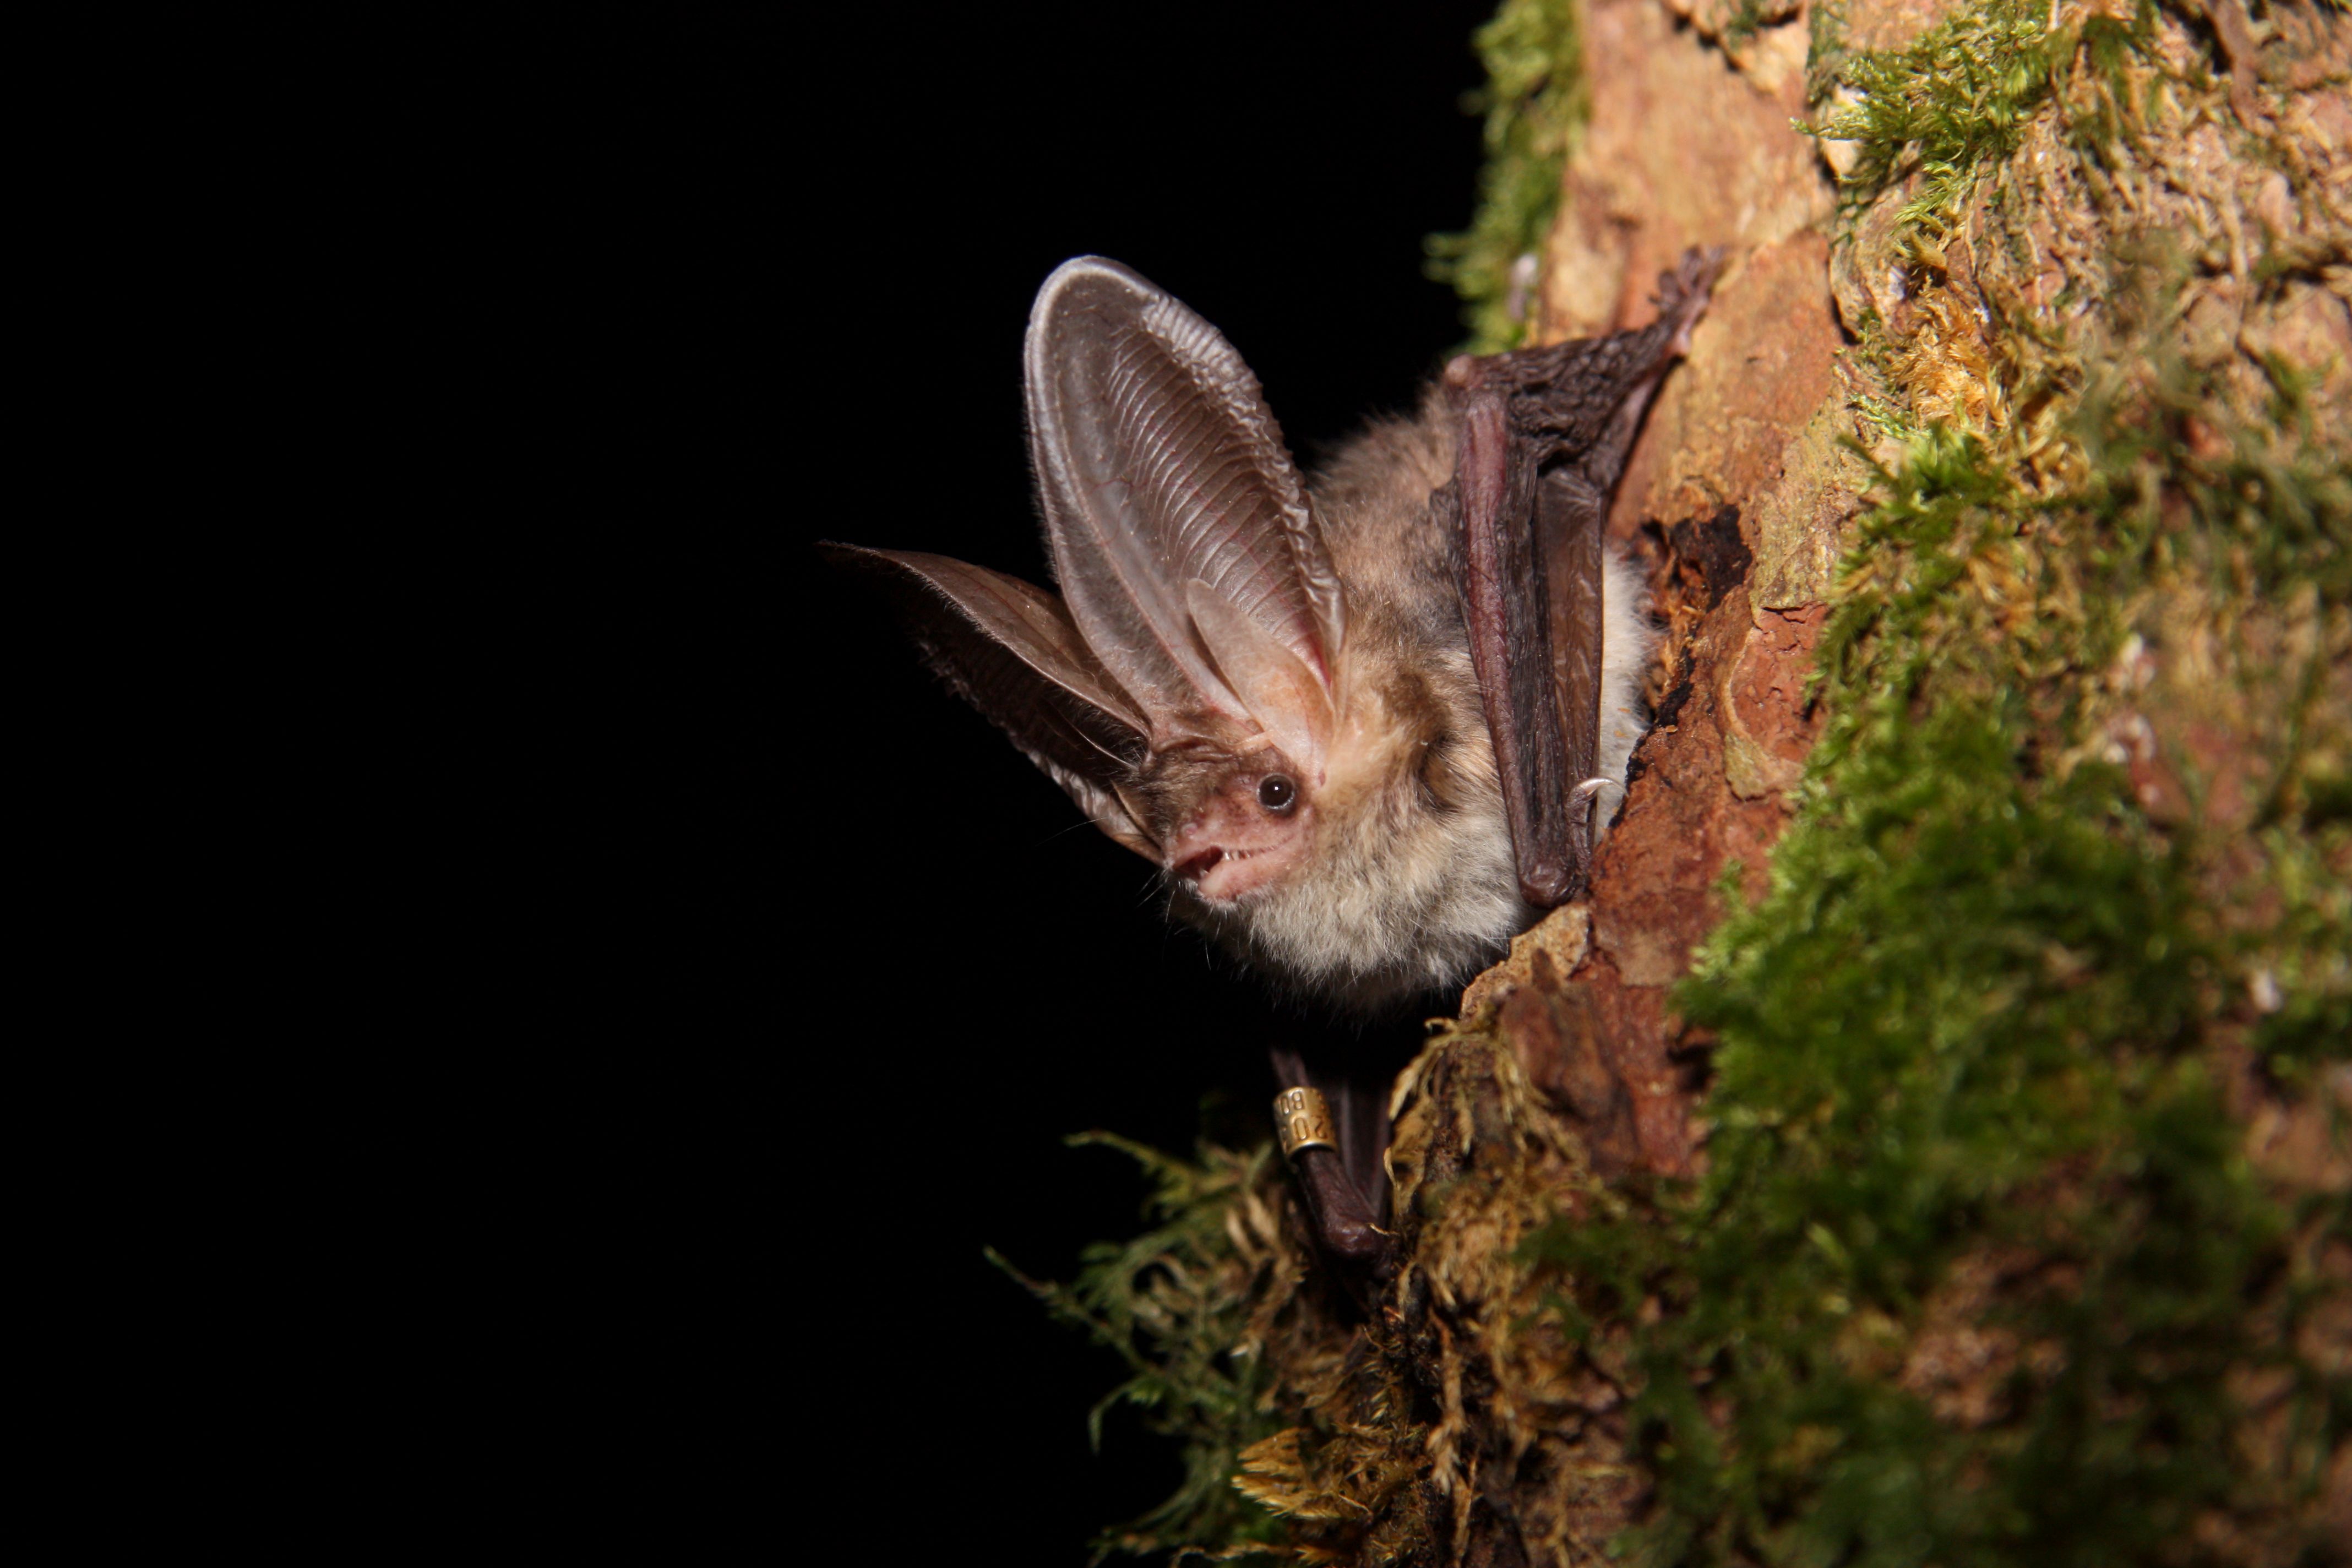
(1236, 824)
(1383, 872)
(1238, 819)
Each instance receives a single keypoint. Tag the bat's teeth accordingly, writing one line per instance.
(1193, 868)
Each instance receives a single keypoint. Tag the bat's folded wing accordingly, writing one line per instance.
(1543, 437)
(1505, 603)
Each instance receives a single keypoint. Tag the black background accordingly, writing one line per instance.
(762, 980)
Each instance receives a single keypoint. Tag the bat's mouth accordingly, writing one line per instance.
(1193, 868)
(1221, 874)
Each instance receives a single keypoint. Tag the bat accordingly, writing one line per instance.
(1367, 727)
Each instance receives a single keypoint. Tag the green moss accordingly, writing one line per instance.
(1746, 19)
(1177, 1304)
(1958, 97)
(1535, 102)
(2307, 962)
(1980, 1271)
(2269, 504)
(1965, 1084)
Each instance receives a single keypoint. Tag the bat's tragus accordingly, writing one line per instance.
(1367, 727)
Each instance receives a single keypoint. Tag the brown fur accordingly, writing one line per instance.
(1409, 885)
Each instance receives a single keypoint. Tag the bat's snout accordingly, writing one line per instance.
(1231, 846)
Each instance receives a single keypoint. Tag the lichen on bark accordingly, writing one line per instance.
(1927, 1143)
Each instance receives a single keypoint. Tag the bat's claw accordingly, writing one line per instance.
(1684, 292)
(1581, 803)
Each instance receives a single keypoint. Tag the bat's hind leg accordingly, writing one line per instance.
(1335, 1132)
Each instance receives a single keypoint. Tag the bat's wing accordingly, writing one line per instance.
(1507, 603)
(1012, 651)
(1544, 437)
(1179, 531)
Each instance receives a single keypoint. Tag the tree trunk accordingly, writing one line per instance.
(1927, 1142)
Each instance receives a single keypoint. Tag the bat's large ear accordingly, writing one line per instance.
(1012, 651)
(1179, 531)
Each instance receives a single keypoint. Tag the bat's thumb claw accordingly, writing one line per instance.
(1683, 293)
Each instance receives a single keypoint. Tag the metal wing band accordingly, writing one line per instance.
(1304, 1121)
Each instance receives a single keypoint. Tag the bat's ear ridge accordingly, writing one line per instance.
(1159, 466)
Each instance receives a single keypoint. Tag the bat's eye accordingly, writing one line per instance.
(1276, 793)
